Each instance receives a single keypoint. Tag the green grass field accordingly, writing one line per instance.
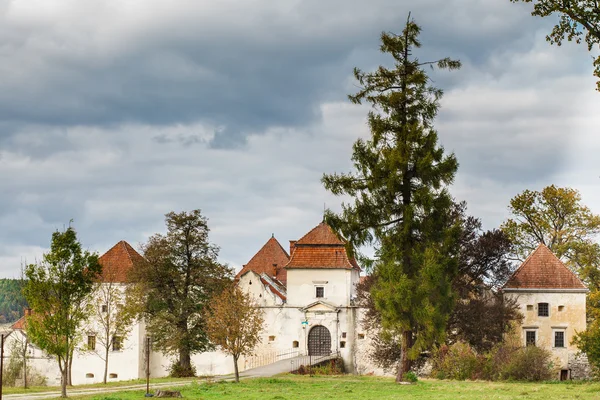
(351, 387)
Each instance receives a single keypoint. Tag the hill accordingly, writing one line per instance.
(12, 301)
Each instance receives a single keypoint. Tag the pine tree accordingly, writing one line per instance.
(401, 205)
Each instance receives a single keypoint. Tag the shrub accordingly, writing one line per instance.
(177, 371)
(458, 361)
(528, 364)
(411, 377)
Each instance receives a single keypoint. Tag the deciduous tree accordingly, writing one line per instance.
(174, 282)
(579, 21)
(557, 218)
(234, 323)
(400, 200)
(57, 289)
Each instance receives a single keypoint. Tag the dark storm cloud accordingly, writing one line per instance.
(242, 68)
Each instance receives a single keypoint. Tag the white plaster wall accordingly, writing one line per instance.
(572, 318)
(123, 363)
(339, 286)
(206, 364)
(250, 283)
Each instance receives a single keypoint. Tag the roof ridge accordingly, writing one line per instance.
(321, 225)
(280, 246)
(524, 262)
(563, 264)
(541, 271)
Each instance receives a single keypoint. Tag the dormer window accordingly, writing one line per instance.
(319, 291)
(543, 310)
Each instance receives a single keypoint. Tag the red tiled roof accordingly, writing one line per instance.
(117, 262)
(321, 248)
(20, 324)
(321, 234)
(543, 270)
(262, 262)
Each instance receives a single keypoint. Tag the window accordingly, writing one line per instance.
(342, 345)
(113, 376)
(344, 335)
(530, 307)
(529, 338)
(117, 343)
(559, 339)
(561, 308)
(319, 291)
(91, 344)
(543, 310)
(295, 344)
(104, 308)
(89, 375)
(361, 335)
(271, 338)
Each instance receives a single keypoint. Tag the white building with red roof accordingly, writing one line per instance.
(309, 309)
(307, 296)
(552, 300)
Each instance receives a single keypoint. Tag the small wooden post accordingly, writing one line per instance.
(1, 362)
(147, 366)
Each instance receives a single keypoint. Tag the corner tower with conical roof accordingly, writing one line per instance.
(552, 300)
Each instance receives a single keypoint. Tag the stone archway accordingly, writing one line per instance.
(319, 341)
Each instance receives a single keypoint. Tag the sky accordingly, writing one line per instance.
(116, 112)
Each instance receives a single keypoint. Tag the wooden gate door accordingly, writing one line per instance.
(319, 341)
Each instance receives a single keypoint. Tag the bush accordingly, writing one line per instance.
(177, 371)
(504, 362)
(458, 361)
(528, 364)
(411, 377)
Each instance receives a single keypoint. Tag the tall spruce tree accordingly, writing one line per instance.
(400, 202)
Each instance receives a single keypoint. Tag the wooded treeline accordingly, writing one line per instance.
(12, 301)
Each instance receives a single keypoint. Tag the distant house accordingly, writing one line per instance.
(552, 300)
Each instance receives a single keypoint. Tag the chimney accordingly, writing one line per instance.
(292, 246)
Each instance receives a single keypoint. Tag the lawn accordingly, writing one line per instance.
(38, 389)
(354, 387)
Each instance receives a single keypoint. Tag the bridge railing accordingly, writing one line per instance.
(260, 360)
(309, 360)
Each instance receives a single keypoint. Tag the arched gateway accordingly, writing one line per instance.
(319, 341)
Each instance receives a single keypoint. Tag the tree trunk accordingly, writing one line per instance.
(25, 364)
(105, 364)
(237, 372)
(405, 362)
(185, 361)
(70, 368)
(63, 380)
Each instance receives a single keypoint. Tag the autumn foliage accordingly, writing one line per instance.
(234, 323)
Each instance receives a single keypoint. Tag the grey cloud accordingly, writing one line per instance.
(244, 67)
